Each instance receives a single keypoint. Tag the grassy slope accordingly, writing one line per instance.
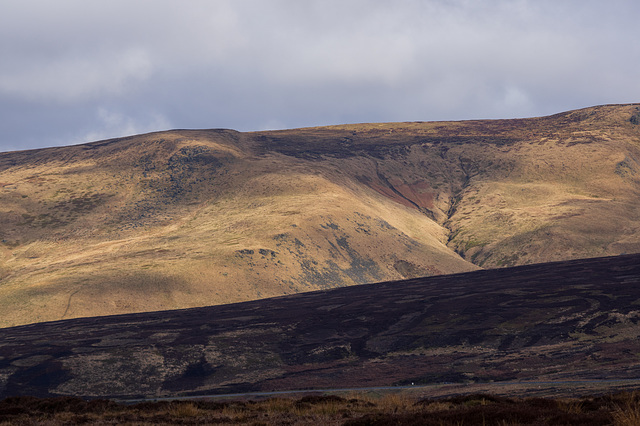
(189, 219)
(193, 218)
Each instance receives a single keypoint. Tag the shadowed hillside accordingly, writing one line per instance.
(565, 321)
(200, 217)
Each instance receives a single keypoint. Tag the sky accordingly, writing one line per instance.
(75, 71)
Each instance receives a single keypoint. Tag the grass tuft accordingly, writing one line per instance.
(182, 410)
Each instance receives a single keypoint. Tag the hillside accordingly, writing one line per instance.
(200, 217)
(557, 322)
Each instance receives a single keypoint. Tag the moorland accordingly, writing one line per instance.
(353, 409)
(571, 326)
(480, 272)
(190, 218)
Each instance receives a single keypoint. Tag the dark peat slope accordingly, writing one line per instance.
(571, 320)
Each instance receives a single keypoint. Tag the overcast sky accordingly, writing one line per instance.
(74, 71)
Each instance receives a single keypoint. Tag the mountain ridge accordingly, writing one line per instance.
(188, 218)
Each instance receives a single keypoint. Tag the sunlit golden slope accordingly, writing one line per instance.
(192, 218)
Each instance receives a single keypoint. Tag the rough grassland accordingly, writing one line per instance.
(621, 409)
(195, 218)
(570, 324)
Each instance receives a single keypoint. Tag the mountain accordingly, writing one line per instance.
(190, 218)
(557, 322)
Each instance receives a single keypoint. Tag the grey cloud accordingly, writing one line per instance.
(88, 70)
(78, 77)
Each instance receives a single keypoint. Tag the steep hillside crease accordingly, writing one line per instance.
(189, 218)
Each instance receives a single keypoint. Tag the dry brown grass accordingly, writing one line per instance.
(627, 410)
(184, 410)
(571, 406)
(392, 409)
(157, 221)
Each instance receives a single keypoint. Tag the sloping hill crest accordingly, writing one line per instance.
(199, 217)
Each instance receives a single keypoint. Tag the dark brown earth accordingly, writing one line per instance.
(565, 321)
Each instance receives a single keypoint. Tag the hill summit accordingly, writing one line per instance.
(189, 218)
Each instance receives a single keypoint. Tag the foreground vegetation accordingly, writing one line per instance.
(354, 410)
